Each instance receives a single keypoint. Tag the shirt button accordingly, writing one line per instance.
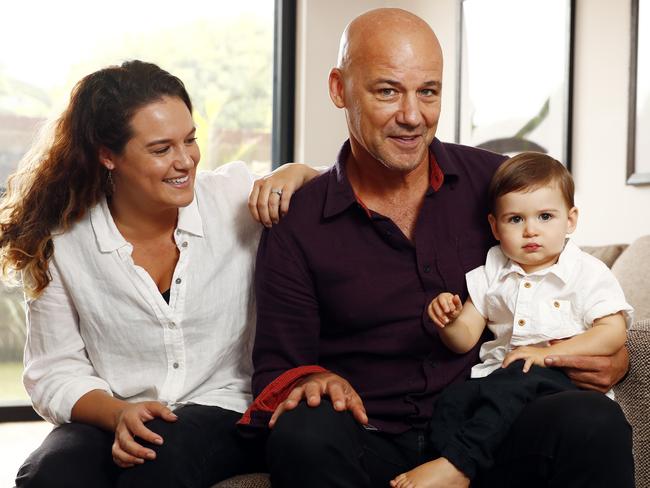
(178, 232)
(527, 285)
(184, 244)
(522, 322)
(427, 268)
(178, 281)
(172, 325)
(175, 365)
(556, 304)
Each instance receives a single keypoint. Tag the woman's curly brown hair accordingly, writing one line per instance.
(61, 177)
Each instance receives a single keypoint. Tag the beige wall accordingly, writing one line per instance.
(610, 210)
(320, 127)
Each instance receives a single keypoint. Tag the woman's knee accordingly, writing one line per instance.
(72, 455)
(49, 471)
(201, 446)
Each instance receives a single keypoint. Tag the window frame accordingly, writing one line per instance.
(284, 83)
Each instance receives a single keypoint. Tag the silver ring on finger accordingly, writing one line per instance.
(277, 192)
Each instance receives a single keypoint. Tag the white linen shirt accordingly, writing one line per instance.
(103, 324)
(557, 302)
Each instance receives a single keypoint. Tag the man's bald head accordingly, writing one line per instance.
(389, 82)
(381, 27)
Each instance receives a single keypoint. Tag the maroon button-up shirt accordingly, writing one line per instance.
(343, 288)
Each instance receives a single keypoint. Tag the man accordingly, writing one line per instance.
(344, 347)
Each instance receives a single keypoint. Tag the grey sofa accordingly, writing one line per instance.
(631, 265)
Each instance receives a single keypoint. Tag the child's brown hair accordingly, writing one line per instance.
(529, 171)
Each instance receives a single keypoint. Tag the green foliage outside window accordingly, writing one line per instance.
(227, 67)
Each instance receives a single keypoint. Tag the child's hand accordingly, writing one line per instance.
(531, 355)
(444, 308)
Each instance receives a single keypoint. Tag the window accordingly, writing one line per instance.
(223, 51)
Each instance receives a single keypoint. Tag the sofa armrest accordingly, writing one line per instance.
(633, 395)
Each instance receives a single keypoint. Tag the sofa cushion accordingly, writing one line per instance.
(256, 480)
(607, 254)
(632, 269)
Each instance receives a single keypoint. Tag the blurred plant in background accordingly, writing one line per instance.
(223, 52)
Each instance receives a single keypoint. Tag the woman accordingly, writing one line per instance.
(138, 275)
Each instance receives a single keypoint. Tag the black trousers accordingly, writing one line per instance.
(201, 448)
(472, 419)
(570, 439)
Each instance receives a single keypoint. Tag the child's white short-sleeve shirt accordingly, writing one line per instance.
(531, 309)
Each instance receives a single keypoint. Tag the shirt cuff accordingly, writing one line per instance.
(609, 308)
(262, 408)
(59, 409)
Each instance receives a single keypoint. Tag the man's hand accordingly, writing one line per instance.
(598, 373)
(313, 387)
(530, 354)
(444, 308)
(130, 423)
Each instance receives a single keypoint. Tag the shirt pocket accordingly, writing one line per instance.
(558, 320)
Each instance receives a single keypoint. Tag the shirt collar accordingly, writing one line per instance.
(562, 269)
(340, 194)
(189, 219)
(109, 238)
(446, 164)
